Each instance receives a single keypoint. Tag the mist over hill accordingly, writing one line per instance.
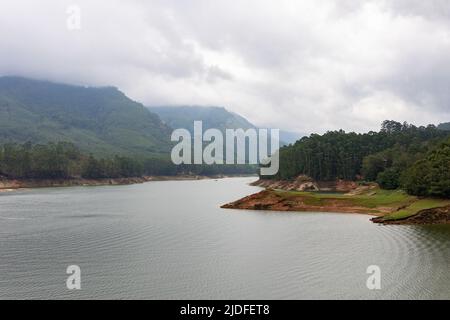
(212, 117)
(444, 126)
(102, 121)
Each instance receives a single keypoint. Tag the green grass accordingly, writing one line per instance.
(375, 201)
(383, 198)
(372, 199)
(417, 206)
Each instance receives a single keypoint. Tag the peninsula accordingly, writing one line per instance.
(387, 206)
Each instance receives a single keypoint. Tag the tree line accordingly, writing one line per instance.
(394, 157)
(64, 160)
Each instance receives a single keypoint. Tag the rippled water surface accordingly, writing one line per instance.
(171, 240)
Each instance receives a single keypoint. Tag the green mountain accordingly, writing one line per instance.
(444, 126)
(212, 117)
(102, 121)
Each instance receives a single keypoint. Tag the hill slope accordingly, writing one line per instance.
(99, 120)
(444, 126)
(212, 117)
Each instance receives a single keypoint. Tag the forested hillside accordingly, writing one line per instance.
(55, 130)
(51, 130)
(431, 175)
(102, 121)
(389, 157)
(444, 126)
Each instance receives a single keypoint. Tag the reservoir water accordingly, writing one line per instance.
(170, 240)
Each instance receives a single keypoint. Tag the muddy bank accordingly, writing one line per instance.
(13, 184)
(304, 183)
(360, 199)
(273, 201)
(7, 184)
(424, 217)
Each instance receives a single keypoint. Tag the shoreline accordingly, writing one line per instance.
(269, 200)
(8, 185)
(434, 216)
(386, 207)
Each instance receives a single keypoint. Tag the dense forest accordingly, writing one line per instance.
(444, 126)
(102, 121)
(64, 161)
(399, 155)
(430, 176)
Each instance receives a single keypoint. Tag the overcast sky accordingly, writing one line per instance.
(307, 66)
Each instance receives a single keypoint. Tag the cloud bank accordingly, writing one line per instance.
(306, 66)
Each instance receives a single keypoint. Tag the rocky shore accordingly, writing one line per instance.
(304, 183)
(305, 195)
(424, 217)
(277, 201)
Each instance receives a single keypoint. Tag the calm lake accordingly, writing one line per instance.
(170, 240)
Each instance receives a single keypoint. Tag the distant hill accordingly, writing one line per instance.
(289, 137)
(102, 121)
(444, 126)
(212, 117)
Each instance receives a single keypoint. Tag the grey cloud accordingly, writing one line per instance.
(307, 65)
(431, 9)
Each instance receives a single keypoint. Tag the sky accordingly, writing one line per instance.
(304, 65)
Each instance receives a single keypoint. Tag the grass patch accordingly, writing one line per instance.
(375, 198)
(417, 206)
(377, 201)
(384, 198)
